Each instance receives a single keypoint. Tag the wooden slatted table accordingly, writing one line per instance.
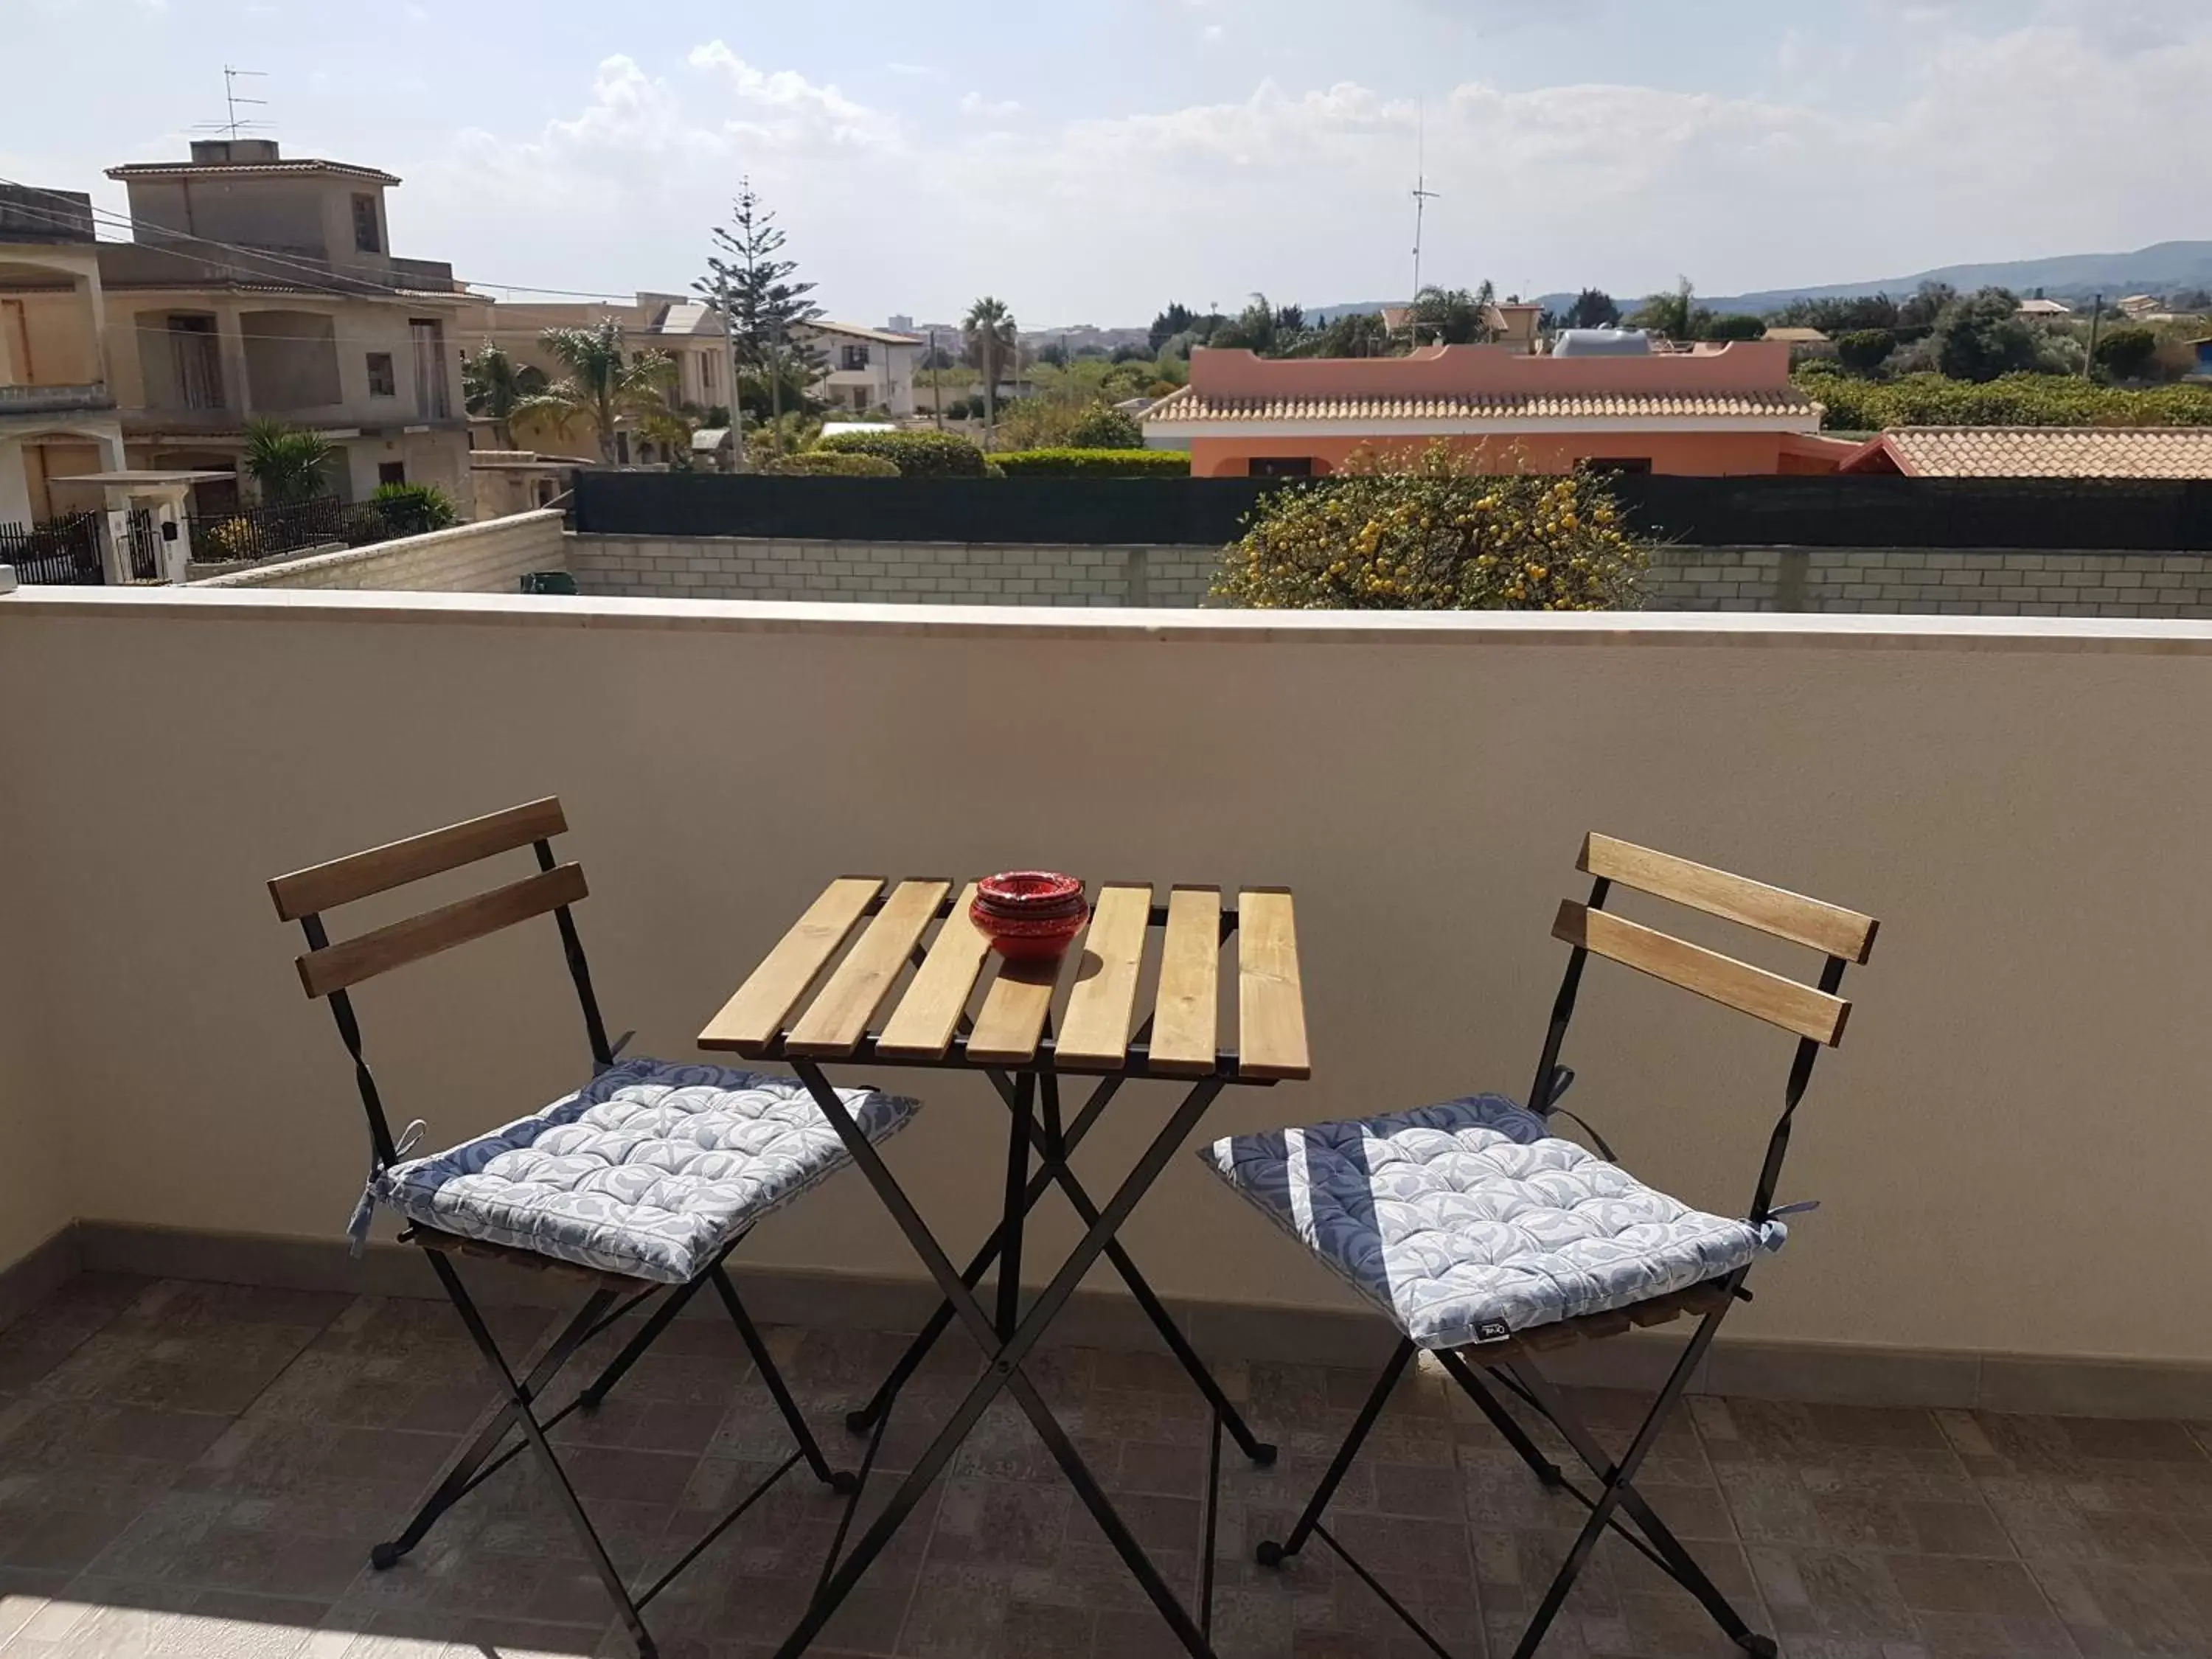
(837, 989)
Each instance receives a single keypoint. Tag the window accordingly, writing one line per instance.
(365, 238)
(1618, 466)
(193, 356)
(390, 472)
(1282, 467)
(854, 356)
(708, 370)
(382, 381)
(429, 335)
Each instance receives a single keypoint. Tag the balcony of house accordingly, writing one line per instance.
(50, 352)
(1969, 1411)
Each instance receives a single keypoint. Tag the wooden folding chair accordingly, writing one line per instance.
(641, 1182)
(1488, 1240)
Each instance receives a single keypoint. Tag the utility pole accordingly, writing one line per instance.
(2096, 316)
(937, 379)
(776, 385)
(729, 373)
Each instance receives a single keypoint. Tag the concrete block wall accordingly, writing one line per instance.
(1918, 581)
(919, 572)
(489, 556)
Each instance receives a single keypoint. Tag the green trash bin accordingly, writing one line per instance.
(549, 581)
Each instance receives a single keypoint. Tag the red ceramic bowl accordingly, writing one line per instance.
(1029, 939)
(1029, 891)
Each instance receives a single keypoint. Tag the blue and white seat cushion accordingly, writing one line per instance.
(649, 1170)
(1468, 1221)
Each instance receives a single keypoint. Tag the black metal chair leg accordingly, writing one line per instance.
(1618, 1485)
(602, 1562)
(1671, 1556)
(594, 1393)
(1273, 1555)
(842, 1480)
(1508, 1427)
(463, 1474)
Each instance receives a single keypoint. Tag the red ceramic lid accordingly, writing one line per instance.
(1016, 889)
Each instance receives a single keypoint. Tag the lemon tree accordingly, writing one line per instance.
(1426, 532)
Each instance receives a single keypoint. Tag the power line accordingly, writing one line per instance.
(108, 218)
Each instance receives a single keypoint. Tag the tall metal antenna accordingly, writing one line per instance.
(232, 126)
(1422, 196)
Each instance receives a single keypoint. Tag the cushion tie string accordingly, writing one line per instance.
(365, 1210)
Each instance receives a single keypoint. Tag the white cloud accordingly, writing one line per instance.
(1213, 32)
(1995, 140)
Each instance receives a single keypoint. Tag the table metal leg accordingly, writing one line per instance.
(1005, 1373)
(1021, 1103)
(869, 1415)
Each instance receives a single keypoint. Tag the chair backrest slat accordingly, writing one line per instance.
(304, 892)
(1803, 920)
(1770, 997)
(337, 966)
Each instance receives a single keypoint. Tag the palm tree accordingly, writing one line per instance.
(602, 384)
(493, 384)
(988, 332)
(288, 464)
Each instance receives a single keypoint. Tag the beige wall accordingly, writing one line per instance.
(489, 556)
(2011, 1147)
(37, 1194)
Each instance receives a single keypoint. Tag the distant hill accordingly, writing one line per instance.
(2159, 269)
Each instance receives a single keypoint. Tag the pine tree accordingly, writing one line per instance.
(767, 309)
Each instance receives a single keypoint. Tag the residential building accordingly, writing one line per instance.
(57, 407)
(257, 286)
(1713, 411)
(2044, 311)
(1513, 322)
(2038, 451)
(868, 368)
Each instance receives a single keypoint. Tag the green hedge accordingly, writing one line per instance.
(916, 454)
(830, 464)
(1861, 406)
(1095, 463)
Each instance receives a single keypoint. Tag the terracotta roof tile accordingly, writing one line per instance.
(2013, 452)
(1188, 405)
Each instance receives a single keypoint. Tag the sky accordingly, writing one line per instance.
(1091, 162)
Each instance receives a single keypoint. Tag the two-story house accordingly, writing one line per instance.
(866, 369)
(57, 411)
(257, 286)
(688, 331)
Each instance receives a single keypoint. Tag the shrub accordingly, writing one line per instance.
(2126, 352)
(1855, 405)
(1865, 349)
(233, 539)
(1432, 535)
(1982, 338)
(411, 509)
(1094, 463)
(1104, 427)
(916, 454)
(831, 464)
(1735, 326)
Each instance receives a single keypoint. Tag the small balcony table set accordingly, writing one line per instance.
(1480, 1233)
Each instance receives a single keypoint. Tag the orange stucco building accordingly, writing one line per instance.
(1714, 410)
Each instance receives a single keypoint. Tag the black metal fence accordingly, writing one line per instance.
(268, 532)
(60, 550)
(2119, 515)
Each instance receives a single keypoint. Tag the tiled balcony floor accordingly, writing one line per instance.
(199, 1469)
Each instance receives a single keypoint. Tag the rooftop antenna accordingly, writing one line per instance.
(232, 126)
(1422, 196)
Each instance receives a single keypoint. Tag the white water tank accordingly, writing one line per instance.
(1601, 343)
